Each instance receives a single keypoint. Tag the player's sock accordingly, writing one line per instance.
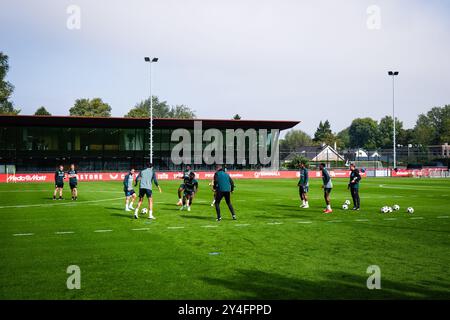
(150, 215)
(131, 206)
(136, 212)
(328, 207)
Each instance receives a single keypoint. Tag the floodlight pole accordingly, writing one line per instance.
(150, 61)
(393, 74)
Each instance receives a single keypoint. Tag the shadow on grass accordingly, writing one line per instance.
(188, 216)
(253, 284)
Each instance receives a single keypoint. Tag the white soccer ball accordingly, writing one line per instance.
(410, 210)
(344, 207)
(347, 202)
(389, 209)
(396, 207)
(144, 210)
(384, 209)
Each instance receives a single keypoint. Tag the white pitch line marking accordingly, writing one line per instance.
(273, 223)
(331, 221)
(175, 227)
(105, 230)
(362, 220)
(64, 232)
(22, 234)
(209, 226)
(442, 217)
(416, 218)
(390, 219)
(140, 229)
(304, 222)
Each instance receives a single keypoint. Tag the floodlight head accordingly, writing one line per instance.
(155, 60)
(147, 59)
(395, 73)
(389, 73)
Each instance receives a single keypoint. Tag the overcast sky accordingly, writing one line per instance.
(285, 60)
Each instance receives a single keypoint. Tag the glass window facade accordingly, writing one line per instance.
(38, 148)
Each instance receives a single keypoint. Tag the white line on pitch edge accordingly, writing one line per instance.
(209, 226)
(22, 234)
(334, 221)
(416, 218)
(305, 222)
(390, 219)
(107, 230)
(175, 227)
(274, 222)
(442, 217)
(140, 229)
(64, 232)
(362, 220)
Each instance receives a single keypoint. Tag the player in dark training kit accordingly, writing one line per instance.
(303, 185)
(327, 186)
(73, 181)
(59, 182)
(186, 173)
(353, 186)
(223, 187)
(190, 189)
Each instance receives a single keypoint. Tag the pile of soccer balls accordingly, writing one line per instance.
(346, 204)
(395, 207)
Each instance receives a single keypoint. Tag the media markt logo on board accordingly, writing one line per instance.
(27, 178)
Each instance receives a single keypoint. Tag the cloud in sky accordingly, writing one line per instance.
(303, 60)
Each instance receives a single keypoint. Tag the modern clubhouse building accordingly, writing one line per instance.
(40, 143)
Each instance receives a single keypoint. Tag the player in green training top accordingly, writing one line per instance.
(190, 189)
(60, 175)
(303, 185)
(186, 173)
(355, 178)
(327, 186)
(73, 181)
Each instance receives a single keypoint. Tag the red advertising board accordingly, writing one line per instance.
(208, 175)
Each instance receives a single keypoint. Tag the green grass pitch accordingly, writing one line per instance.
(275, 250)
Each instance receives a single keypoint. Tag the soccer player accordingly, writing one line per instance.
(190, 189)
(73, 181)
(129, 190)
(223, 186)
(211, 184)
(327, 186)
(303, 185)
(147, 177)
(186, 173)
(59, 182)
(355, 178)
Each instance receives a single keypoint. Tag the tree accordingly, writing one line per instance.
(236, 117)
(343, 138)
(161, 109)
(295, 139)
(433, 127)
(180, 111)
(386, 132)
(42, 112)
(295, 162)
(6, 88)
(90, 108)
(363, 133)
(324, 134)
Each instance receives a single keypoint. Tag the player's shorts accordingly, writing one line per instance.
(143, 192)
(188, 193)
(303, 189)
(129, 193)
(327, 190)
(59, 185)
(181, 186)
(73, 185)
